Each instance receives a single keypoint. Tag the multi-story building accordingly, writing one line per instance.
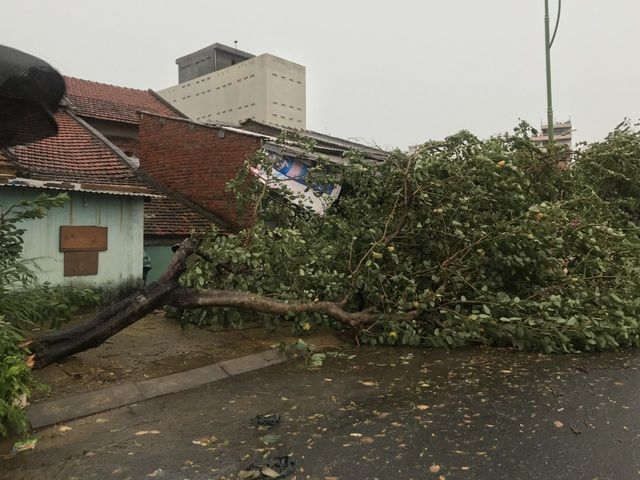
(221, 84)
(562, 134)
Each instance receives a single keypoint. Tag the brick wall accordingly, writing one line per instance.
(195, 161)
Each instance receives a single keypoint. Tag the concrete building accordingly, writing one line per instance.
(220, 84)
(562, 134)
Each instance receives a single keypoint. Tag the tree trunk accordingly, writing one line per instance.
(54, 346)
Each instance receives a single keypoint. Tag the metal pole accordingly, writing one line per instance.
(547, 47)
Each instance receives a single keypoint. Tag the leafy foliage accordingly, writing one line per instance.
(492, 242)
(22, 302)
(15, 379)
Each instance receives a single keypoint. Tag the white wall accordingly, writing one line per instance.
(267, 88)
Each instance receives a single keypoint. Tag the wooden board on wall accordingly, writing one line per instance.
(83, 239)
(80, 264)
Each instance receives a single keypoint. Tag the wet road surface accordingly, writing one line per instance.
(385, 414)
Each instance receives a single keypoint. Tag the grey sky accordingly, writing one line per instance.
(396, 73)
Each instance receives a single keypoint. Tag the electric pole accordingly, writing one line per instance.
(548, 42)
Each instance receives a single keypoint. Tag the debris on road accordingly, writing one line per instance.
(268, 420)
(277, 467)
(24, 445)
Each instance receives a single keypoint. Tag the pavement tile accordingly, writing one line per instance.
(81, 405)
(181, 381)
(249, 363)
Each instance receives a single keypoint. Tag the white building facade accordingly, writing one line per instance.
(264, 88)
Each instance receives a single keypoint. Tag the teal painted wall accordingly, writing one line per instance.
(160, 257)
(120, 264)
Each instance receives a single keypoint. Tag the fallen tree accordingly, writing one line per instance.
(465, 241)
(54, 346)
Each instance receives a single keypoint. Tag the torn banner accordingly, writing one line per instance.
(291, 172)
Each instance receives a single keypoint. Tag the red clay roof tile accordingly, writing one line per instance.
(109, 102)
(75, 154)
(166, 217)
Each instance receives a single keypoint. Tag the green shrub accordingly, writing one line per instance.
(46, 305)
(16, 381)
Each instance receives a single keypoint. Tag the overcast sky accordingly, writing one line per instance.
(397, 73)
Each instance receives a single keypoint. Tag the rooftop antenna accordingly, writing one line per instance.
(235, 44)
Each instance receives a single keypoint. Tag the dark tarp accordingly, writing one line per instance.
(30, 90)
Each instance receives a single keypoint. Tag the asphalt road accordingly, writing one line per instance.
(386, 414)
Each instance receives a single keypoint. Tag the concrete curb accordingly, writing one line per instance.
(84, 404)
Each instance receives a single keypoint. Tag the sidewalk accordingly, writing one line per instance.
(47, 413)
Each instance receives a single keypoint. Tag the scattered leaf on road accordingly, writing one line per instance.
(249, 474)
(270, 439)
(434, 468)
(205, 441)
(24, 445)
(558, 424)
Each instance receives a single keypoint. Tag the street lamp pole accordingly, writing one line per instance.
(548, 42)
(547, 49)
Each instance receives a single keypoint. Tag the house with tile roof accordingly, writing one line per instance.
(113, 111)
(96, 238)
